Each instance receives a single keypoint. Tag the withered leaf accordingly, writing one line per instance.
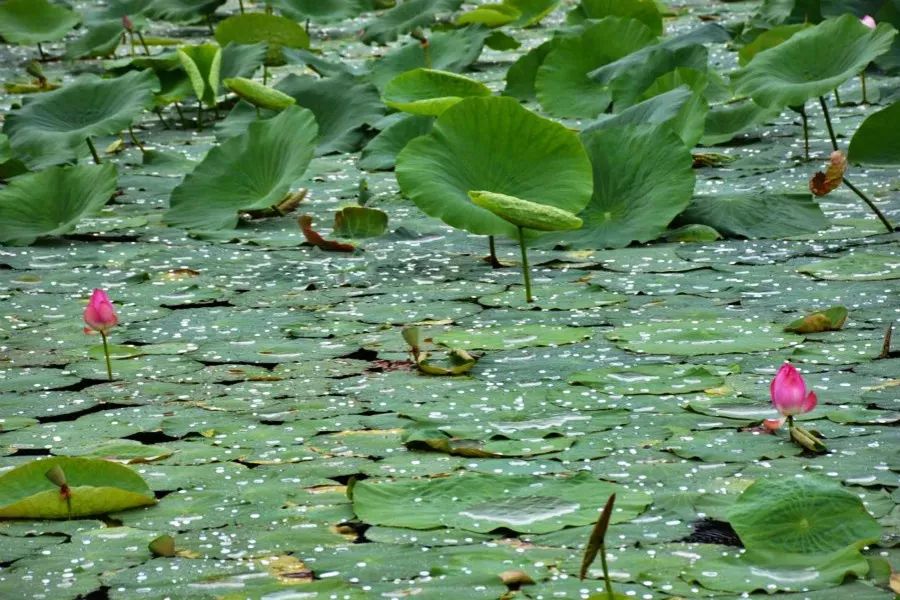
(824, 183)
(314, 238)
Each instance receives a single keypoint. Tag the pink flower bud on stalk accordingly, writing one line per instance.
(100, 316)
(127, 24)
(868, 21)
(789, 397)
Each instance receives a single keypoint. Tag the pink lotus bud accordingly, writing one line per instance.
(868, 21)
(100, 314)
(788, 391)
(129, 26)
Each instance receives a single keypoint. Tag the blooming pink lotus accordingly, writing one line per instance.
(788, 391)
(100, 316)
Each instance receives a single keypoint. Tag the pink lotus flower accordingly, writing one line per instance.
(100, 315)
(868, 21)
(788, 391)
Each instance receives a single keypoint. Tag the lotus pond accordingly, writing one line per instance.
(394, 296)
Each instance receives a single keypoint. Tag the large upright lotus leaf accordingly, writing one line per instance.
(203, 64)
(253, 28)
(343, 106)
(35, 21)
(634, 85)
(680, 109)
(521, 76)
(405, 17)
(96, 487)
(52, 201)
(531, 12)
(642, 180)
(241, 60)
(801, 515)
(381, 153)
(101, 39)
(321, 11)
(768, 39)
(875, 141)
(757, 214)
(430, 92)
(645, 11)
(561, 83)
(452, 51)
(182, 11)
(813, 61)
(251, 171)
(725, 122)
(696, 337)
(496, 145)
(480, 502)
(52, 127)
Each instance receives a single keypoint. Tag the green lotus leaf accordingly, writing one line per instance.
(252, 171)
(274, 30)
(489, 15)
(813, 61)
(521, 76)
(531, 12)
(857, 266)
(645, 11)
(801, 515)
(182, 11)
(358, 222)
(52, 201)
(486, 502)
(258, 94)
(768, 39)
(99, 40)
(203, 64)
(96, 487)
(757, 214)
(430, 92)
(496, 145)
(405, 17)
(725, 122)
(875, 141)
(35, 21)
(640, 81)
(649, 379)
(52, 127)
(381, 153)
(642, 180)
(522, 213)
(321, 12)
(499, 40)
(701, 336)
(509, 337)
(561, 82)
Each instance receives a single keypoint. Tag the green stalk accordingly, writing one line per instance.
(106, 352)
(790, 422)
(495, 262)
(265, 74)
(41, 52)
(199, 115)
(828, 122)
(143, 43)
(525, 273)
(134, 139)
(241, 3)
(180, 114)
(93, 150)
(862, 80)
(881, 216)
(837, 97)
(606, 582)
(805, 131)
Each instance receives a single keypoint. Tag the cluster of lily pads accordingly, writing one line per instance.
(287, 431)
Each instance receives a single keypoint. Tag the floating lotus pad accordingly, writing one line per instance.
(513, 336)
(698, 337)
(96, 487)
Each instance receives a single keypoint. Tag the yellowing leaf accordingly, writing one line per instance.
(823, 183)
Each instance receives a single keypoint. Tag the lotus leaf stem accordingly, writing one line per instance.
(241, 3)
(881, 216)
(143, 43)
(180, 114)
(134, 139)
(525, 274)
(606, 582)
(106, 352)
(834, 144)
(862, 81)
(93, 150)
(131, 42)
(495, 262)
(162, 119)
(199, 115)
(265, 74)
(41, 52)
(805, 119)
(837, 97)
